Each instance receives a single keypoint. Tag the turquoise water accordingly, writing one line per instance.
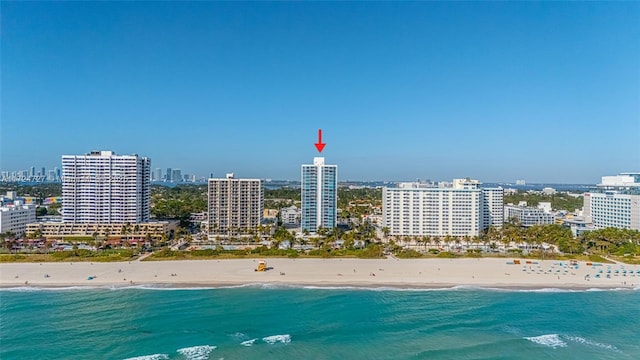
(313, 323)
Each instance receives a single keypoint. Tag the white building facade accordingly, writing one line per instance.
(319, 196)
(615, 202)
(104, 188)
(236, 206)
(458, 209)
(15, 217)
(528, 216)
(290, 215)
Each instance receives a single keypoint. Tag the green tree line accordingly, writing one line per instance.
(558, 201)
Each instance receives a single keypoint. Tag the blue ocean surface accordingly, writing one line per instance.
(267, 322)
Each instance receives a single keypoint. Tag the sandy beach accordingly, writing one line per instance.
(413, 273)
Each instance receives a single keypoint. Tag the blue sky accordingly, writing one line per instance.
(547, 92)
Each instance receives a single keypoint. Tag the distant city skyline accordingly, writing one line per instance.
(497, 91)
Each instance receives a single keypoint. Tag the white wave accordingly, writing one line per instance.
(316, 287)
(150, 357)
(60, 288)
(389, 288)
(285, 339)
(248, 342)
(197, 352)
(268, 286)
(613, 289)
(159, 287)
(587, 342)
(551, 340)
(553, 290)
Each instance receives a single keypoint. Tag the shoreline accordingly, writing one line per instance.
(409, 274)
(315, 286)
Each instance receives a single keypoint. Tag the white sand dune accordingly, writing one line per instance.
(421, 273)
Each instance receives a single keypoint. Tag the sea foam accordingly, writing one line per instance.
(285, 339)
(591, 343)
(150, 357)
(551, 340)
(197, 352)
(248, 342)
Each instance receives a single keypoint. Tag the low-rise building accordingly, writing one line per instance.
(527, 216)
(290, 215)
(578, 225)
(154, 229)
(15, 217)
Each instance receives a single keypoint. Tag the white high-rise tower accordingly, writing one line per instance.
(319, 195)
(104, 188)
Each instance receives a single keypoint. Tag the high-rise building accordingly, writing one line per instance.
(493, 207)
(158, 175)
(176, 175)
(102, 187)
(235, 206)
(33, 172)
(168, 175)
(460, 208)
(319, 196)
(614, 203)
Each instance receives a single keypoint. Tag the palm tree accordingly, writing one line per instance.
(95, 239)
(476, 241)
(148, 239)
(447, 241)
(438, 241)
(385, 232)
(126, 230)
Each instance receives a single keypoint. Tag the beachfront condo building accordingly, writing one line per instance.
(236, 207)
(527, 216)
(15, 217)
(319, 196)
(104, 188)
(614, 203)
(460, 208)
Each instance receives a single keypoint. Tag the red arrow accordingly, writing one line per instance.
(319, 145)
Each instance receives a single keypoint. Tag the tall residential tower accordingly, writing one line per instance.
(235, 206)
(615, 202)
(104, 188)
(319, 195)
(458, 209)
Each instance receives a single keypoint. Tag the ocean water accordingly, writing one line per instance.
(270, 322)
